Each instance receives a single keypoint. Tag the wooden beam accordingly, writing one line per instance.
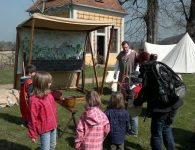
(83, 74)
(31, 41)
(107, 57)
(94, 68)
(78, 77)
(83, 68)
(18, 39)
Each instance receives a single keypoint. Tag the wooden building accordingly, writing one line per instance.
(97, 10)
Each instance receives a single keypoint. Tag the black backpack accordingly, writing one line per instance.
(162, 85)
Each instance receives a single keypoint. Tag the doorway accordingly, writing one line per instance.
(100, 49)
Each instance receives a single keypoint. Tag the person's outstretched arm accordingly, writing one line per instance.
(116, 69)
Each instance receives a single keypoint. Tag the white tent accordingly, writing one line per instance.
(160, 50)
(182, 57)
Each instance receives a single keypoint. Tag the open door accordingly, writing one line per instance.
(100, 49)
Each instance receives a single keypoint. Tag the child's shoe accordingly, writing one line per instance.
(24, 124)
(132, 134)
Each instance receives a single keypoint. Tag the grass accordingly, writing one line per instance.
(99, 70)
(13, 136)
(7, 76)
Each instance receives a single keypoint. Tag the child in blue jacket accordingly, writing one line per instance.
(119, 121)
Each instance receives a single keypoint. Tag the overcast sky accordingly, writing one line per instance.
(12, 13)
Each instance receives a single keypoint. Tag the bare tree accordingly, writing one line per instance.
(190, 27)
(165, 17)
(183, 14)
(150, 19)
(141, 23)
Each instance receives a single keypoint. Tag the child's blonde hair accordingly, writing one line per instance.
(117, 100)
(41, 82)
(93, 99)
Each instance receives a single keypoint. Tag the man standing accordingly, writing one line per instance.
(125, 63)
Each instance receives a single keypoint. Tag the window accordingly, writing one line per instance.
(114, 41)
(101, 30)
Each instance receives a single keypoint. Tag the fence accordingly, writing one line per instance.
(7, 59)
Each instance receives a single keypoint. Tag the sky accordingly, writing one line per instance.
(12, 13)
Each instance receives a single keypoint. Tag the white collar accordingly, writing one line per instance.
(130, 50)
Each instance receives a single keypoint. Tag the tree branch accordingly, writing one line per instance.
(184, 10)
(122, 2)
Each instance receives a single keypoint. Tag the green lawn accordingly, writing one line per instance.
(7, 76)
(13, 136)
(89, 73)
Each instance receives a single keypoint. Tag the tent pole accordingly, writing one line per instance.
(92, 57)
(31, 41)
(18, 38)
(107, 57)
(79, 73)
(83, 68)
(83, 74)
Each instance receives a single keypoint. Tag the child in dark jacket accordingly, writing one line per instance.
(26, 88)
(119, 121)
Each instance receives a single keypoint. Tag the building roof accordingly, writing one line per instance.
(110, 5)
(60, 23)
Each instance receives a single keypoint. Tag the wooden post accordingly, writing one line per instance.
(83, 73)
(107, 57)
(94, 68)
(18, 38)
(83, 67)
(31, 41)
(78, 77)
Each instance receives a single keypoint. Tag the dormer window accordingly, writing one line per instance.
(100, 1)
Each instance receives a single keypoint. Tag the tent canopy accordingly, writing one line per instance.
(160, 50)
(45, 22)
(182, 57)
(60, 23)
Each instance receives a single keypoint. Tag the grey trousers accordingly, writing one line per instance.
(117, 146)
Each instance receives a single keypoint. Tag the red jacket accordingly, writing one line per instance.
(136, 89)
(43, 115)
(25, 90)
(92, 129)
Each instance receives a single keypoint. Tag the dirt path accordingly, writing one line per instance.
(6, 86)
(10, 86)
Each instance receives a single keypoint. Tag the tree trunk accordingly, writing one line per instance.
(151, 20)
(190, 28)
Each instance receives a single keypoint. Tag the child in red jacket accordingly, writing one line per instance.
(43, 114)
(26, 89)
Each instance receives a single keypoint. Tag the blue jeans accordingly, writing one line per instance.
(161, 131)
(48, 140)
(134, 125)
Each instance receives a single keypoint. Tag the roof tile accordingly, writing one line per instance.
(104, 4)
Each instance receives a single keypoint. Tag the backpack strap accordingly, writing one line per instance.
(166, 66)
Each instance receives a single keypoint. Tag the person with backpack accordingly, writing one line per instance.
(164, 92)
